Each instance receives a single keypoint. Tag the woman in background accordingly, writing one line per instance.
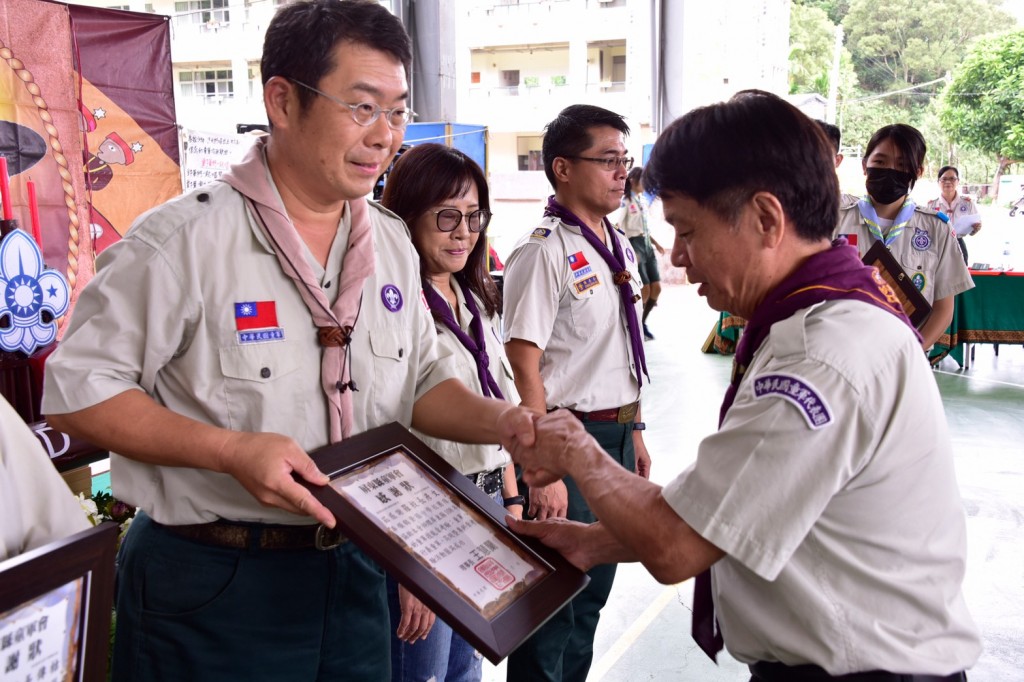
(633, 223)
(959, 207)
(442, 196)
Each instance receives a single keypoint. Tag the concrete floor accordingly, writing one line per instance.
(644, 631)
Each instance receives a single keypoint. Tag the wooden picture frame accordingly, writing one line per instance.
(443, 539)
(914, 303)
(55, 608)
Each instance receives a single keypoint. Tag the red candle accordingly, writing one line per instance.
(5, 189)
(33, 212)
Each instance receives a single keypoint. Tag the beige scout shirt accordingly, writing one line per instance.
(560, 296)
(160, 316)
(927, 250)
(831, 488)
(36, 505)
(475, 458)
(962, 206)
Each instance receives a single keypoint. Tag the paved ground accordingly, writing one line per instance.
(644, 632)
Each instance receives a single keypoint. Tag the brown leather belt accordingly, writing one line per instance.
(259, 535)
(622, 415)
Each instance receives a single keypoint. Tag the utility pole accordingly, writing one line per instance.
(833, 80)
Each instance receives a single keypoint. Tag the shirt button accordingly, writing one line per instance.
(265, 372)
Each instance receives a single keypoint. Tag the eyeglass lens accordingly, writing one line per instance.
(448, 219)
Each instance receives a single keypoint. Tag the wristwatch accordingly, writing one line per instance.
(639, 426)
(516, 499)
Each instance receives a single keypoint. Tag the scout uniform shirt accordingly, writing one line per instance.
(830, 487)
(476, 457)
(962, 205)
(559, 295)
(926, 250)
(193, 308)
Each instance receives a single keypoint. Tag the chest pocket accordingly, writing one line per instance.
(258, 379)
(390, 355)
(592, 304)
(921, 266)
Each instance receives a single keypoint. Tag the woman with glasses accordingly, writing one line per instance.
(442, 196)
(961, 209)
(920, 241)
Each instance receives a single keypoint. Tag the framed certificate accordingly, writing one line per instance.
(55, 606)
(443, 539)
(914, 303)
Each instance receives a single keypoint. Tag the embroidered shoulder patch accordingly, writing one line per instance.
(540, 233)
(797, 391)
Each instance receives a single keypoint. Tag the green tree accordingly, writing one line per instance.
(835, 9)
(983, 107)
(897, 43)
(811, 50)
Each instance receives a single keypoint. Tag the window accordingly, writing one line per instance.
(124, 7)
(528, 153)
(201, 12)
(213, 85)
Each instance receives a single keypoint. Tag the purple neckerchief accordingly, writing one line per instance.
(833, 274)
(621, 275)
(476, 345)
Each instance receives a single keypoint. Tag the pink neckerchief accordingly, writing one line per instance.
(250, 178)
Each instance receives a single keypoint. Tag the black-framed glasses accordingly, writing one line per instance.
(367, 113)
(448, 219)
(608, 162)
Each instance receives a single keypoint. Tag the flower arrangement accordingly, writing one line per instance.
(102, 506)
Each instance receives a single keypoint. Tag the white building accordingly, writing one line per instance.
(515, 65)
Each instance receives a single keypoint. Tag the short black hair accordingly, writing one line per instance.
(721, 155)
(833, 132)
(908, 140)
(301, 38)
(635, 175)
(568, 134)
(946, 168)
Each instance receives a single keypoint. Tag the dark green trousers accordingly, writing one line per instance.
(188, 611)
(563, 649)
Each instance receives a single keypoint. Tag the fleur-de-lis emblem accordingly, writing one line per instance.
(28, 291)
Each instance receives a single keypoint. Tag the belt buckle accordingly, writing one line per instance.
(327, 538)
(627, 413)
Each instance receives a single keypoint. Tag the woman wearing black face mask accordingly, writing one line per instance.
(922, 242)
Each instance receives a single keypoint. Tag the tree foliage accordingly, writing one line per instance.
(835, 9)
(983, 107)
(897, 43)
(811, 48)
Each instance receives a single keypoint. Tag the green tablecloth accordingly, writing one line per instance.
(991, 312)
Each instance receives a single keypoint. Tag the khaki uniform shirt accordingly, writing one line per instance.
(160, 316)
(36, 505)
(560, 296)
(927, 250)
(474, 458)
(830, 487)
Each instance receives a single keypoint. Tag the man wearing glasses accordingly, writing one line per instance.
(572, 335)
(241, 326)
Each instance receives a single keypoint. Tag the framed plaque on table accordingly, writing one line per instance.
(914, 303)
(443, 539)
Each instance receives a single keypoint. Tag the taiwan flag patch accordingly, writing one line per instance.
(255, 315)
(577, 260)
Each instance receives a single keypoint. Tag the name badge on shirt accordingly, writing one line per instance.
(797, 391)
(588, 283)
(256, 322)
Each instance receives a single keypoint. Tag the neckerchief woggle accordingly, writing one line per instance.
(833, 274)
(870, 216)
(476, 344)
(617, 263)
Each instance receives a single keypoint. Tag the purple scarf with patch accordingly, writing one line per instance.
(834, 274)
(617, 263)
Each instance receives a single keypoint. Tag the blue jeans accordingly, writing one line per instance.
(191, 611)
(444, 656)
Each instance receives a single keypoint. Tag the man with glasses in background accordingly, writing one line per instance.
(241, 326)
(573, 337)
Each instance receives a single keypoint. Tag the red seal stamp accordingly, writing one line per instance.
(497, 575)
